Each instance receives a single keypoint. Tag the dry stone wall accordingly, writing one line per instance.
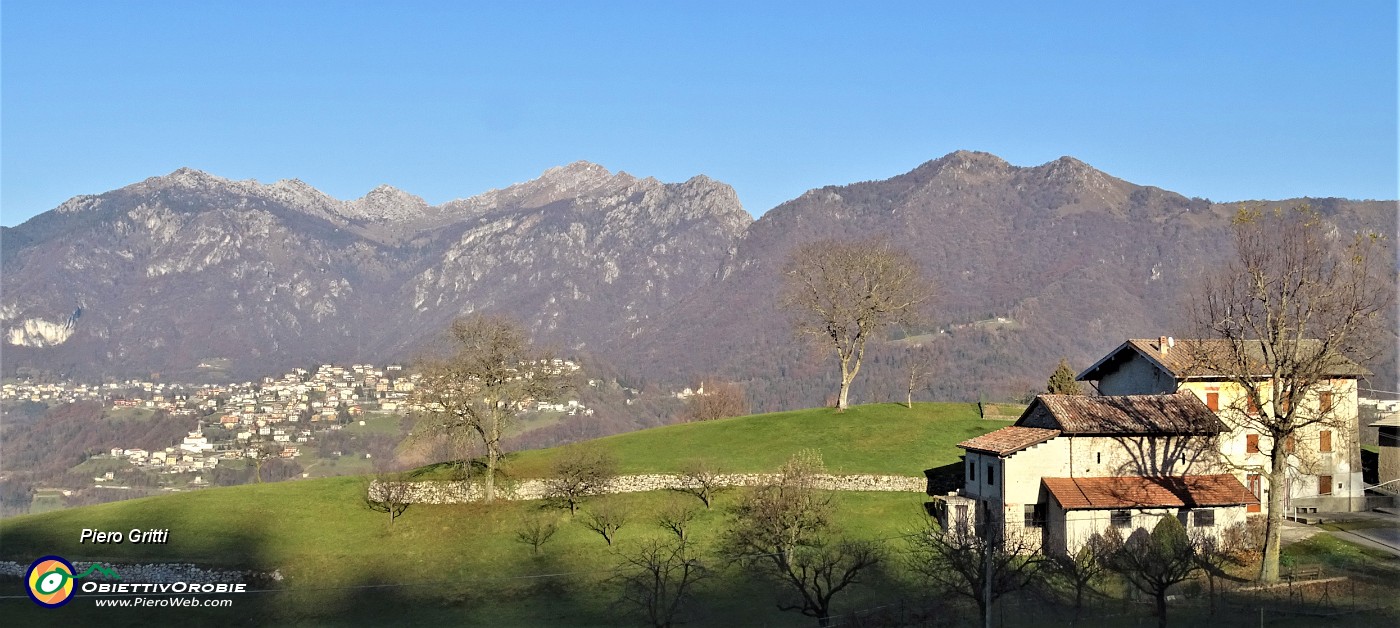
(447, 492)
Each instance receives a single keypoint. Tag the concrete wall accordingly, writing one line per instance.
(444, 492)
(1137, 377)
(1079, 525)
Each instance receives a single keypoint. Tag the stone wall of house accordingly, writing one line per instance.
(447, 492)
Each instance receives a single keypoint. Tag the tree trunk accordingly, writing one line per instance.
(1278, 478)
(846, 377)
(1161, 608)
(493, 455)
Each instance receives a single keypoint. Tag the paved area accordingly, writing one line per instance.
(1382, 531)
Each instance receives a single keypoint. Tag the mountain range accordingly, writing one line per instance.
(190, 275)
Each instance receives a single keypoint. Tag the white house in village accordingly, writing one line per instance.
(1072, 466)
(1325, 458)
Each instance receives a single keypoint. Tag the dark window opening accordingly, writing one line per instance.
(971, 471)
(1035, 515)
(1204, 518)
(991, 475)
(1121, 519)
(1098, 457)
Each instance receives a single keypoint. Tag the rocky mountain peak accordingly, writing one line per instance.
(386, 203)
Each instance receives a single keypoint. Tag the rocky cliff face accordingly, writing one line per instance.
(190, 269)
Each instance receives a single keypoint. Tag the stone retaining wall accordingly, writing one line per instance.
(447, 492)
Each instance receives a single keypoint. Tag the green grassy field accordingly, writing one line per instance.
(462, 564)
(877, 438)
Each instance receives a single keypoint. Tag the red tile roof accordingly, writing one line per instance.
(1008, 440)
(1179, 413)
(1189, 491)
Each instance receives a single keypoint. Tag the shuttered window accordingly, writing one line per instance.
(1324, 485)
(1251, 443)
(1324, 441)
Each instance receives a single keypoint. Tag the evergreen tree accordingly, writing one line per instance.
(1062, 381)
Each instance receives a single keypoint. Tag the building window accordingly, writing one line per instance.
(1324, 400)
(1324, 441)
(1253, 404)
(1035, 515)
(1251, 443)
(1213, 401)
(1098, 457)
(1121, 519)
(991, 475)
(1288, 444)
(1255, 484)
(971, 470)
(1324, 485)
(1204, 518)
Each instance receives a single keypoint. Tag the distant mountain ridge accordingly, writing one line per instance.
(668, 281)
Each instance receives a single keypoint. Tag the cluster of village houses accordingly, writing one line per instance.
(1165, 437)
(278, 415)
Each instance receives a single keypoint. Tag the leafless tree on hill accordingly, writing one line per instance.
(490, 371)
(842, 294)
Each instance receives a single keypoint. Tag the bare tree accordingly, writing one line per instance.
(981, 568)
(259, 451)
(718, 400)
(785, 526)
(389, 493)
(658, 580)
(490, 373)
(844, 293)
(1153, 562)
(920, 360)
(701, 479)
(676, 518)
(606, 519)
(1081, 572)
(1288, 314)
(581, 470)
(536, 528)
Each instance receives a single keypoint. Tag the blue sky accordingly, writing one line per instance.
(1243, 101)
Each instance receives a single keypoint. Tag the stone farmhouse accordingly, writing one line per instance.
(1324, 459)
(1163, 438)
(1073, 466)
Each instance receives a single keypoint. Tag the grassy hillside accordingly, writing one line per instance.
(878, 438)
(462, 564)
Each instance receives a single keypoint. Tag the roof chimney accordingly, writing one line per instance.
(1162, 344)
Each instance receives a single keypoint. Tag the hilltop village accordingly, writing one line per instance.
(277, 417)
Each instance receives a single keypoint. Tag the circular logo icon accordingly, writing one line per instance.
(50, 581)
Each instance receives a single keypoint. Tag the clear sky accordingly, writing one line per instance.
(1223, 100)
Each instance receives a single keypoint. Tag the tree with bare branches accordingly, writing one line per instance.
(701, 479)
(389, 493)
(981, 568)
(535, 528)
(716, 399)
(605, 519)
(1298, 306)
(785, 526)
(844, 293)
(581, 470)
(658, 580)
(489, 372)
